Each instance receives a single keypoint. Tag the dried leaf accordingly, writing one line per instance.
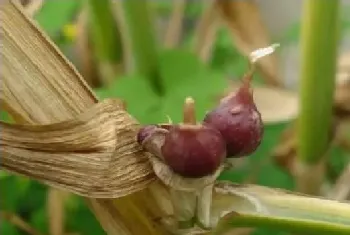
(344, 62)
(342, 98)
(249, 33)
(174, 29)
(342, 91)
(27, 53)
(41, 87)
(205, 32)
(32, 6)
(94, 155)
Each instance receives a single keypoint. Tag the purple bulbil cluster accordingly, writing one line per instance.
(233, 129)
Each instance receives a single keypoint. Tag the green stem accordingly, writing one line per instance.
(143, 41)
(259, 206)
(284, 224)
(104, 31)
(319, 53)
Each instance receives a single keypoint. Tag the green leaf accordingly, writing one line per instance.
(339, 158)
(291, 35)
(273, 176)
(225, 55)
(55, 14)
(142, 102)
(33, 199)
(270, 174)
(7, 228)
(203, 87)
(183, 75)
(189, 77)
(3, 174)
(162, 8)
(23, 184)
(84, 222)
(138, 18)
(73, 202)
(4, 116)
(13, 188)
(178, 67)
(39, 220)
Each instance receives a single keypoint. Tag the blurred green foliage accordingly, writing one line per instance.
(183, 75)
(55, 14)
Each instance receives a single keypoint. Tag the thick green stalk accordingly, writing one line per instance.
(258, 206)
(104, 31)
(318, 68)
(283, 224)
(143, 41)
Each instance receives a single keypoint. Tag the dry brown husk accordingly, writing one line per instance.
(104, 160)
(39, 86)
(205, 31)
(173, 33)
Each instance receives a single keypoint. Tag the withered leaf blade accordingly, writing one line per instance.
(39, 86)
(342, 90)
(344, 62)
(174, 30)
(205, 32)
(342, 98)
(89, 155)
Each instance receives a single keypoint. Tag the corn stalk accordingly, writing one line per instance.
(86, 147)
